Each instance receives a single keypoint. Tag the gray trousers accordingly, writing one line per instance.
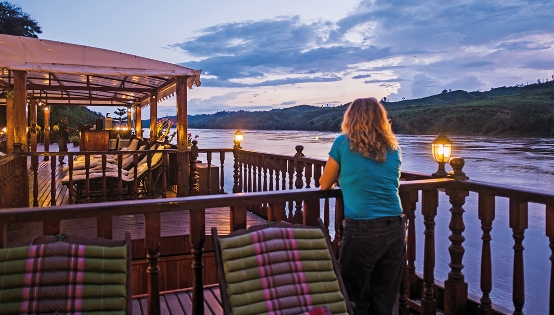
(371, 262)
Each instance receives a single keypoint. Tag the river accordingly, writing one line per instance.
(519, 162)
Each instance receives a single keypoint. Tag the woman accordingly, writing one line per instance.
(366, 158)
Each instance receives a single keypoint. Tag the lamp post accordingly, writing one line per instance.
(442, 150)
(237, 138)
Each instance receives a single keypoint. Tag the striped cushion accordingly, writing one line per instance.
(63, 278)
(280, 271)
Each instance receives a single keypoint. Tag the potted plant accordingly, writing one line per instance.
(74, 140)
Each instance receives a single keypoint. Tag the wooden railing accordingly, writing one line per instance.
(253, 174)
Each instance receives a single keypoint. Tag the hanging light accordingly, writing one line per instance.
(442, 150)
(238, 139)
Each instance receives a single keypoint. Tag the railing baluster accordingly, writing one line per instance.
(236, 171)
(53, 182)
(104, 227)
(165, 160)
(409, 203)
(308, 174)
(210, 170)
(486, 215)
(290, 170)
(271, 170)
(260, 168)
(339, 216)
(455, 287)
(34, 167)
(197, 236)
(72, 196)
(222, 172)
(104, 191)
(119, 176)
(238, 218)
(265, 161)
(550, 234)
(245, 162)
(152, 245)
(194, 175)
(429, 204)
(282, 166)
(518, 224)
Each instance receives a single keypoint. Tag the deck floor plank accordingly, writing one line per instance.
(180, 303)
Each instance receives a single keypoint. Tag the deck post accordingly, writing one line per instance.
(152, 245)
(236, 170)
(19, 114)
(429, 204)
(455, 287)
(153, 117)
(21, 178)
(138, 120)
(197, 227)
(129, 118)
(298, 183)
(182, 135)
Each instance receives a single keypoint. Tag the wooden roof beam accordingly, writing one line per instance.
(85, 88)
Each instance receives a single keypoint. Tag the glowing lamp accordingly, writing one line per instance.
(238, 139)
(442, 150)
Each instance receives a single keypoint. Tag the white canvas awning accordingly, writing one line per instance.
(75, 74)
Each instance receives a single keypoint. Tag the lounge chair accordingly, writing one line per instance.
(73, 275)
(112, 177)
(279, 269)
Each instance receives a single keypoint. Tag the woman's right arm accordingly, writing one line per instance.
(330, 174)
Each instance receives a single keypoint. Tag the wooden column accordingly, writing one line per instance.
(129, 119)
(33, 124)
(153, 117)
(182, 139)
(20, 109)
(46, 131)
(138, 123)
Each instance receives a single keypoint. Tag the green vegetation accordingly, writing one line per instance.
(523, 111)
(13, 21)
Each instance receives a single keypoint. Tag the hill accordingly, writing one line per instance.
(522, 111)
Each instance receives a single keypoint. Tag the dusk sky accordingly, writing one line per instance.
(259, 55)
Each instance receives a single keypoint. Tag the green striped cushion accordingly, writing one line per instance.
(280, 270)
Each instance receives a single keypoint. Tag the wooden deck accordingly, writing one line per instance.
(180, 303)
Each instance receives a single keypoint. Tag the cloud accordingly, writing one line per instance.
(383, 81)
(424, 45)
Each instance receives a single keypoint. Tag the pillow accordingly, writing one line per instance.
(128, 161)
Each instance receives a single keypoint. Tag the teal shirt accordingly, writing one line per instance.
(369, 188)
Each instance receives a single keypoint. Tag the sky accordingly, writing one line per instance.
(260, 55)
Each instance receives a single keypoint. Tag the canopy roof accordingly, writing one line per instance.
(65, 74)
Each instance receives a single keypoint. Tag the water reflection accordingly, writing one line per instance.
(519, 162)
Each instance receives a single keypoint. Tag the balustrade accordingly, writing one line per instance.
(283, 184)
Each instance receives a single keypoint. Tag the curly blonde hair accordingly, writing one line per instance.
(366, 124)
